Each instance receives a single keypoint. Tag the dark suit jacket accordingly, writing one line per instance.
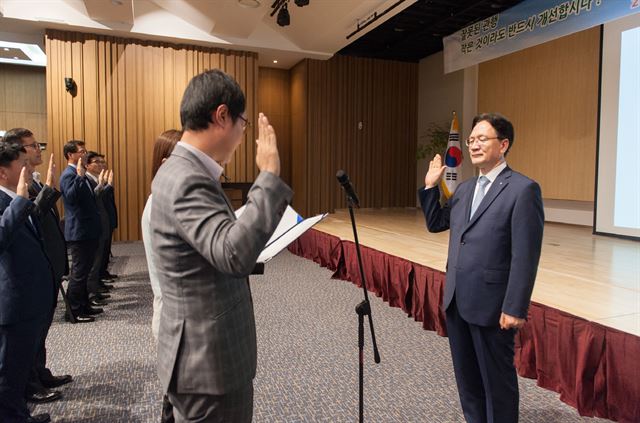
(45, 198)
(110, 205)
(26, 280)
(81, 219)
(493, 258)
(101, 194)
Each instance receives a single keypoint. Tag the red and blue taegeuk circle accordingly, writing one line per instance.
(453, 158)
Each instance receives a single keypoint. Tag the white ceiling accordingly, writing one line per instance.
(316, 31)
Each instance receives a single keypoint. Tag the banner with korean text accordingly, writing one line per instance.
(527, 24)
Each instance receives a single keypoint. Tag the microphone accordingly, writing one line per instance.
(343, 178)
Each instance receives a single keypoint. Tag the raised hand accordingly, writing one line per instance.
(435, 172)
(51, 172)
(110, 177)
(267, 157)
(102, 178)
(23, 183)
(80, 168)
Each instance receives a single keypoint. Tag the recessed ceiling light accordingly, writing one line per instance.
(251, 4)
(275, 61)
(117, 2)
(29, 54)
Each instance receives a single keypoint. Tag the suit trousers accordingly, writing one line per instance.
(485, 374)
(106, 255)
(93, 281)
(17, 351)
(236, 407)
(39, 371)
(83, 254)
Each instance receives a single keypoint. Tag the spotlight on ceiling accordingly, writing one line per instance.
(283, 16)
(301, 3)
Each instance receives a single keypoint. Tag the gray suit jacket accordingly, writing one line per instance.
(203, 255)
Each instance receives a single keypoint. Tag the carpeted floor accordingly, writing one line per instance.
(307, 356)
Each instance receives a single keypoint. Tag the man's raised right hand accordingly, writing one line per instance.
(267, 157)
(435, 172)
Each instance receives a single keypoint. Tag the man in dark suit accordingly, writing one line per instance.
(98, 180)
(203, 254)
(26, 285)
(496, 223)
(45, 196)
(81, 229)
(112, 211)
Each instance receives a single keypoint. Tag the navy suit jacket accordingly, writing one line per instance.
(110, 204)
(26, 279)
(81, 219)
(493, 258)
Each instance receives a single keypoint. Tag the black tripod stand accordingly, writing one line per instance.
(364, 308)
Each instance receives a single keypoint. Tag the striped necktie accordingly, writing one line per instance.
(483, 181)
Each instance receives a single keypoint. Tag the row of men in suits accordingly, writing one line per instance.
(36, 383)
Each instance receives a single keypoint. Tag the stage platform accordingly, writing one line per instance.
(582, 337)
(593, 277)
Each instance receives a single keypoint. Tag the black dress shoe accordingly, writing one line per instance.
(103, 290)
(97, 303)
(80, 318)
(91, 311)
(43, 396)
(100, 296)
(55, 381)
(39, 418)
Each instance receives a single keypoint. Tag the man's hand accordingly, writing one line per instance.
(80, 168)
(267, 157)
(110, 177)
(510, 322)
(51, 173)
(102, 178)
(435, 172)
(23, 183)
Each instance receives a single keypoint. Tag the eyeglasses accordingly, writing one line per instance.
(482, 140)
(245, 122)
(34, 145)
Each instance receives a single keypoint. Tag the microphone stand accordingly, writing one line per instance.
(362, 309)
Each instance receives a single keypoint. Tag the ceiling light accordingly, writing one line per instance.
(301, 3)
(31, 54)
(117, 2)
(283, 16)
(251, 4)
(275, 61)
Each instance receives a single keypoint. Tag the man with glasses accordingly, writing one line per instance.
(100, 181)
(203, 254)
(496, 223)
(26, 284)
(45, 196)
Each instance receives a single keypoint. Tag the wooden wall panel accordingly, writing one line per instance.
(129, 91)
(23, 101)
(379, 155)
(274, 100)
(550, 93)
